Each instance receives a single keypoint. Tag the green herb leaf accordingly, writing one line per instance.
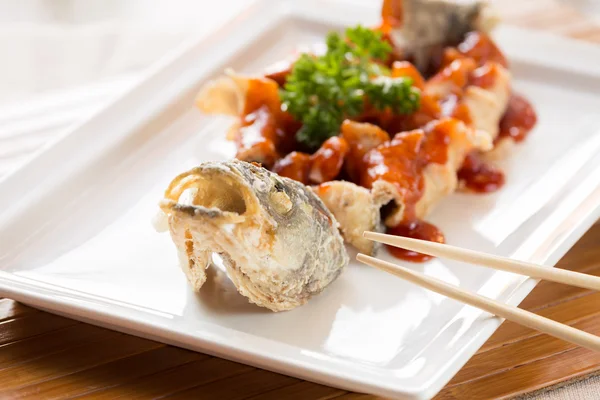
(322, 91)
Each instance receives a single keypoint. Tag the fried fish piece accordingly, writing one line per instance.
(224, 95)
(483, 92)
(278, 241)
(417, 169)
(425, 26)
(261, 129)
(487, 105)
(356, 210)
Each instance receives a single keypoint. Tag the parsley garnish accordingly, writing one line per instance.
(322, 91)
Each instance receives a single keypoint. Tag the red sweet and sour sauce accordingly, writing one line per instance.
(518, 119)
(401, 162)
(416, 230)
(516, 123)
(479, 176)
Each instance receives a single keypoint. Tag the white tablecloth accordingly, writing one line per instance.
(62, 60)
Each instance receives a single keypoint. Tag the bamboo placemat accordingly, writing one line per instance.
(47, 356)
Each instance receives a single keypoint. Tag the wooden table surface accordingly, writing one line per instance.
(46, 356)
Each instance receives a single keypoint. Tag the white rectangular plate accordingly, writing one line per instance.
(76, 237)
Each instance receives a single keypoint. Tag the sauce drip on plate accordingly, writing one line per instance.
(479, 176)
(518, 119)
(416, 230)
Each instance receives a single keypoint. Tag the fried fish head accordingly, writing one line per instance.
(278, 241)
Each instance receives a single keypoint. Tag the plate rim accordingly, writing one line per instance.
(77, 306)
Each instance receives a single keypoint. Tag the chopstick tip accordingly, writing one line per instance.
(361, 257)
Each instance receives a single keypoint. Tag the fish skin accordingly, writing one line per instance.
(278, 241)
(428, 25)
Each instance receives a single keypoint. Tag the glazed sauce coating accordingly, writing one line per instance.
(461, 112)
(361, 137)
(265, 130)
(257, 136)
(328, 160)
(406, 69)
(295, 165)
(391, 18)
(398, 163)
(479, 176)
(430, 110)
(518, 120)
(437, 139)
(452, 106)
(262, 92)
(484, 76)
(416, 230)
(457, 73)
(479, 46)
(450, 55)
(401, 161)
(391, 14)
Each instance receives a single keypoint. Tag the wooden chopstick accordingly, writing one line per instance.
(487, 260)
(505, 311)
